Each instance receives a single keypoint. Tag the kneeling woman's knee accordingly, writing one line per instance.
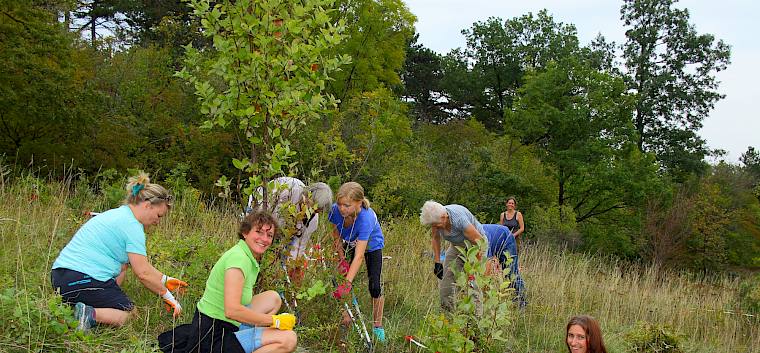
(290, 341)
(274, 297)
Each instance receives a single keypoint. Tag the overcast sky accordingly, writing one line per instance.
(733, 125)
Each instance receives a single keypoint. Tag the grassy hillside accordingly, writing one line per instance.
(37, 219)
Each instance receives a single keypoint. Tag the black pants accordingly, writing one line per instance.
(374, 260)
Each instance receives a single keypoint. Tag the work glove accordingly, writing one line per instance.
(438, 270)
(171, 303)
(343, 267)
(342, 290)
(173, 284)
(284, 321)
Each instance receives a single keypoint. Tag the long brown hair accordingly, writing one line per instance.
(595, 344)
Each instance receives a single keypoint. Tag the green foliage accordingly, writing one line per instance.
(44, 99)
(579, 119)
(364, 138)
(472, 326)
(672, 68)
(482, 80)
(35, 324)
(376, 35)
(265, 75)
(653, 338)
(748, 296)
(554, 224)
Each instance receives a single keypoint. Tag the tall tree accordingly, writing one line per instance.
(671, 68)
(98, 15)
(43, 94)
(376, 35)
(265, 75)
(580, 120)
(422, 76)
(497, 55)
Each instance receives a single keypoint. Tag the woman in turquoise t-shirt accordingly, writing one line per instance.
(358, 236)
(90, 270)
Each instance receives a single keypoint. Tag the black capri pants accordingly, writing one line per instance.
(374, 260)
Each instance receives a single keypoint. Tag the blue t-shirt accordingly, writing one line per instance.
(460, 218)
(100, 247)
(500, 240)
(365, 227)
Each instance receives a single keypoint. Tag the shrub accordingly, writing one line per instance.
(465, 329)
(749, 296)
(652, 338)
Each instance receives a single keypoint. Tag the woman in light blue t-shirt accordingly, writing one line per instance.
(90, 270)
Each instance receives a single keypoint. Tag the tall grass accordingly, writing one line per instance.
(38, 218)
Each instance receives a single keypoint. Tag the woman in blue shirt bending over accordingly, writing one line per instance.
(357, 236)
(501, 247)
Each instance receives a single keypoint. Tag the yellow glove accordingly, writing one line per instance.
(284, 321)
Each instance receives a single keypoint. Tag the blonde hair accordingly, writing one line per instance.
(139, 189)
(431, 212)
(354, 191)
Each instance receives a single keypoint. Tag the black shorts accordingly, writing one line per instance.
(75, 286)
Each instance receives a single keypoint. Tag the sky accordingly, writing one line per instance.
(732, 126)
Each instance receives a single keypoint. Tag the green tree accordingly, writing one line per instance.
(579, 118)
(376, 35)
(671, 68)
(421, 78)
(43, 94)
(265, 75)
(497, 55)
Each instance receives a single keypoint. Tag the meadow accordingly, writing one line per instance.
(37, 218)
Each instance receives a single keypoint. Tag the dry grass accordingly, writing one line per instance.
(560, 285)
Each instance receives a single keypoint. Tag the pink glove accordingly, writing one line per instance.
(342, 290)
(343, 267)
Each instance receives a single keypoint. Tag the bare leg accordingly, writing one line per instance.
(377, 310)
(268, 302)
(109, 316)
(275, 341)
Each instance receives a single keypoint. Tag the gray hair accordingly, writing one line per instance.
(431, 212)
(321, 194)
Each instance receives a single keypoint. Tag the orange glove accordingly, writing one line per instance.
(170, 302)
(173, 284)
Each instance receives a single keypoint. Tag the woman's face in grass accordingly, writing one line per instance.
(577, 340)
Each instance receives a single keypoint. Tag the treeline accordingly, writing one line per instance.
(598, 141)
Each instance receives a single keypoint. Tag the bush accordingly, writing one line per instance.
(555, 225)
(466, 329)
(34, 324)
(653, 338)
(749, 296)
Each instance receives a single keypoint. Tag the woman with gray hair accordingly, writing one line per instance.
(456, 224)
(292, 190)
